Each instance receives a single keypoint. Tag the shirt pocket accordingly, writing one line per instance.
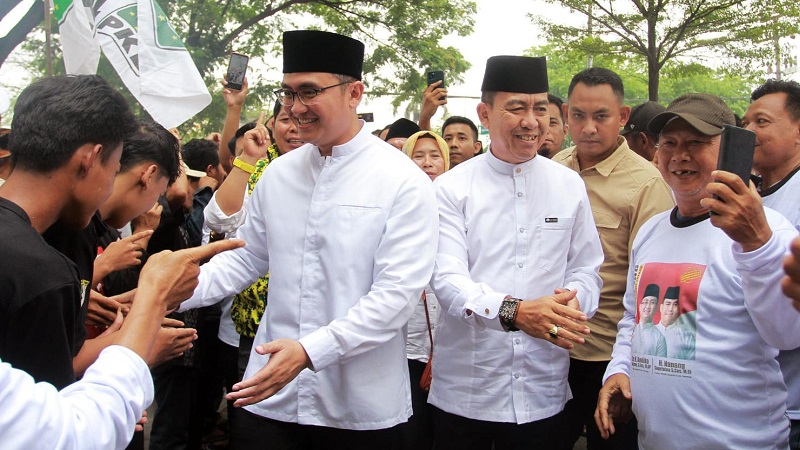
(554, 236)
(612, 238)
(358, 227)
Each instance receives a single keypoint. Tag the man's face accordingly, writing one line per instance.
(647, 308)
(517, 125)
(777, 134)
(461, 140)
(428, 156)
(330, 119)
(285, 133)
(218, 173)
(132, 203)
(556, 133)
(669, 311)
(93, 189)
(595, 115)
(686, 159)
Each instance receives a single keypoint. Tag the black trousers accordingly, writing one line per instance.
(460, 433)
(418, 431)
(253, 432)
(585, 381)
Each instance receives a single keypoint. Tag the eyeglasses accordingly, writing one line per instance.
(306, 96)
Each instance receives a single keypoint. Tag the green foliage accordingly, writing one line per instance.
(402, 39)
(665, 35)
(676, 78)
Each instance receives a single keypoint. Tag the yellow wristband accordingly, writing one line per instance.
(249, 168)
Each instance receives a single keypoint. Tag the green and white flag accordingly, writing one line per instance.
(144, 49)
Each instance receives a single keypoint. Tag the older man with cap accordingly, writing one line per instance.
(516, 275)
(728, 264)
(347, 228)
(641, 141)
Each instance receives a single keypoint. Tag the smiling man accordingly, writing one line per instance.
(625, 191)
(729, 266)
(346, 226)
(774, 115)
(516, 275)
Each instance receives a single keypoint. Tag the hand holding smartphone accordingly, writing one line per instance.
(237, 68)
(736, 148)
(434, 76)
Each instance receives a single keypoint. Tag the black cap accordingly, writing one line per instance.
(705, 113)
(672, 292)
(402, 128)
(320, 51)
(641, 115)
(651, 290)
(524, 74)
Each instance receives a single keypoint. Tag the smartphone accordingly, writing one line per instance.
(736, 148)
(367, 117)
(434, 76)
(237, 68)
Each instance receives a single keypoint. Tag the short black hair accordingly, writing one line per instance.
(595, 76)
(460, 119)
(198, 154)
(239, 133)
(152, 143)
(556, 100)
(790, 88)
(54, 116)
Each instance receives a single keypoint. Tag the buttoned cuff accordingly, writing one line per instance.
(487, 306)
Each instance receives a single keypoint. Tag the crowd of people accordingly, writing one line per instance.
(406, 288)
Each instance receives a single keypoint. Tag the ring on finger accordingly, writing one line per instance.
(553, 332)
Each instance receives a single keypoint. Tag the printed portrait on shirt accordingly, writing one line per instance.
(666, 310)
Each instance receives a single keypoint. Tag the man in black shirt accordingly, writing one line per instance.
(66, 147)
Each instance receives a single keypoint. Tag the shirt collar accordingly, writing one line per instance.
(358, 142)
(606, 166)
(508, 168)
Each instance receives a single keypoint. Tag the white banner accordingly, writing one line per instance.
(145, 50)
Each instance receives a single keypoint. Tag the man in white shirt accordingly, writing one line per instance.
(774, 115)
(648, 339)
(680, 342)
(346, 226)
(516, 274)
(728, 266)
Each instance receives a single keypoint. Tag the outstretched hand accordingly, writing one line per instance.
(174, 274)
(287, 359)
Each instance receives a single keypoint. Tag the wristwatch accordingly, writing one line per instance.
(508, 313)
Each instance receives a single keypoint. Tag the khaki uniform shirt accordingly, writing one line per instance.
(625, 190)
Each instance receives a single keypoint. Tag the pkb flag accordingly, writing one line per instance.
(144, 49)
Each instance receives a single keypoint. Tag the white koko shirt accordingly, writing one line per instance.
(349, 242)
(97, 412)
(521, 230)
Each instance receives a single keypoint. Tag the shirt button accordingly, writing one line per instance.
(486, 310)
(516, 341)
(520, 265)
(516, 376)
(519, 194)
(519, 170)
(522, 230)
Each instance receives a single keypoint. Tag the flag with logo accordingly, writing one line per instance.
(144, 49)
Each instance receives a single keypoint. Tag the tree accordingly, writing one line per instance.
(563, 62)
(660, 32)
(402, 39)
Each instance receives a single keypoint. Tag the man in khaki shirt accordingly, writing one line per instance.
(625, 190)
